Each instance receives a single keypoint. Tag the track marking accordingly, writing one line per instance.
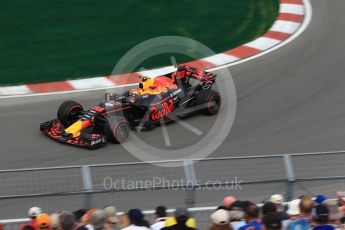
(297, 29)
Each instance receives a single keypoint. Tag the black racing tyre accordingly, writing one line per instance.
(117, 130)
(209, 100)
(68, 112)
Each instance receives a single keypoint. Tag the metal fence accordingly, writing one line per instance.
(199, 182)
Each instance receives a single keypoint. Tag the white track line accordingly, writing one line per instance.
(307, 19)
(291, 9)
(301, 29)
(285, 26)
(263, 43)
(96, 81)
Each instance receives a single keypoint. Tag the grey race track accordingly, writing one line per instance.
(291, 100)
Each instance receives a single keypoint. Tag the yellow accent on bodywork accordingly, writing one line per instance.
(75, 128)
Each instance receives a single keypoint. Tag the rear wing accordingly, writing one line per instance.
(185, 72)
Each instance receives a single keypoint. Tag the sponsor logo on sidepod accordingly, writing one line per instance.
(167, 108)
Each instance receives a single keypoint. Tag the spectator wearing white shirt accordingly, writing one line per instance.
(161, 217)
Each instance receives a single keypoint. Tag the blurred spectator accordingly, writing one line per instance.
(1, 227)
(85, 220)
(278, 200)
(29, 227)
(136, 219)
(269, 207)
(320, 218)
(306, 205)
(293, 212)
(335, 214)
(43, 221)
(341, 203)
(123, 220)
(251, 216)
(54, 220)
(236, 212)
(181, 216)
(220, 220)
(32, 213)
(112, 219)
(246, 204)
(67, 221)
(303, 222)
(228, 201)
(341, 197)
(222, 207)
(79, 214)
(272, 221)
(320, 198)
(161, 216)
(98, 219)
(191, 222)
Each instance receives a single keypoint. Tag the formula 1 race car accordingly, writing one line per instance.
(180, 93)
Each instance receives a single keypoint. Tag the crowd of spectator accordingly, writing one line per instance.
(305, 213)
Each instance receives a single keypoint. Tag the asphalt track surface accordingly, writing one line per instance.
(290, 100)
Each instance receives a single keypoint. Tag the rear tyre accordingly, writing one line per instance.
(117, 130)
(209, 100)
(68, 112)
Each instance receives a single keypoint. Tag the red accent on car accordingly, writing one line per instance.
(167, 107)
(97, 108)
(163, 81)
(86, 124)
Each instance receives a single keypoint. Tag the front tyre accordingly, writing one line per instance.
(209, 101)
(117, 130)
(68, 112)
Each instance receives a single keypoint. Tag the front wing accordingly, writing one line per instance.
(54, 129)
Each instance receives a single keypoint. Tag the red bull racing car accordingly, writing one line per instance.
(155, 100)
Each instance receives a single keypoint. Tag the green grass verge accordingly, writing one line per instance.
(50, 40)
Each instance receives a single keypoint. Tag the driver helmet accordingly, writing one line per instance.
(146, 83)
